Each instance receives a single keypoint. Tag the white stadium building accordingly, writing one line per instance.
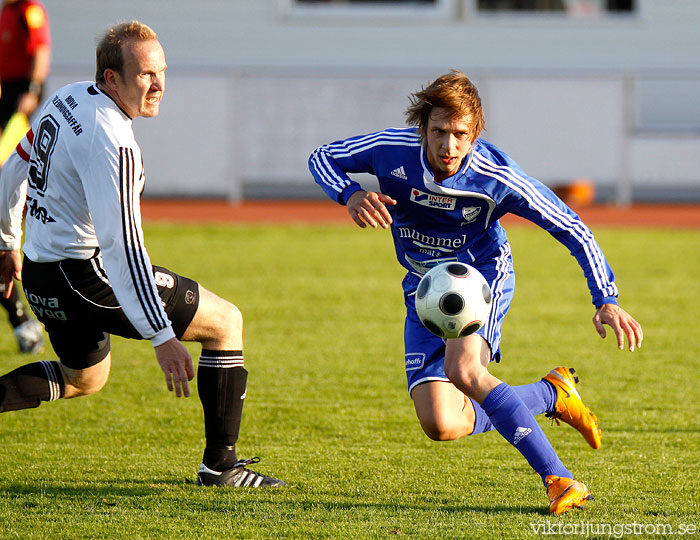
(607, 90)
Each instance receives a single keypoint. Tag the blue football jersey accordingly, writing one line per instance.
(458, 218)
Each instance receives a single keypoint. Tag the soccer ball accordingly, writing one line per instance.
(453, 300)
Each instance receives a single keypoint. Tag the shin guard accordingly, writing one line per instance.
(221, 384)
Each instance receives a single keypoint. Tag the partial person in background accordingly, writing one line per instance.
(25, 58)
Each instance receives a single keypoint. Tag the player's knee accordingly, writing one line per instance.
(231, 319)
(226, 330)
(218, 324)
(466, 377)
(90, 384)
(85, 382)
(444, 430)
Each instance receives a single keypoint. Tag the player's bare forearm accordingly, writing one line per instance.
(10, 269)
(622, 323)
(369, 208)
(41, 64)
(29, 101)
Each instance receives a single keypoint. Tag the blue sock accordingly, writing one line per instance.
(482, 422)
(538, 397)
(518, 426)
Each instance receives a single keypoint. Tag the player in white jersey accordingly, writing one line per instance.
(86, 272)
(442, 192)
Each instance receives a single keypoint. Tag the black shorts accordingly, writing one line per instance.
(9, 98)
(76, 304)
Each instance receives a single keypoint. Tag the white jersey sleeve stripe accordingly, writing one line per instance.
(503, 269)
(380, 142)
(133, 247)
(536, 198)
(350, 147)
(328, 174)
(347, 149)
(553, 214)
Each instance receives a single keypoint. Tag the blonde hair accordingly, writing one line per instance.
(452, 91)
(109, 49)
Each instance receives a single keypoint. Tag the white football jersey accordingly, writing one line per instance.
(80, 172)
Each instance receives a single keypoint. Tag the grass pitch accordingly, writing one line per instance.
(327, 408)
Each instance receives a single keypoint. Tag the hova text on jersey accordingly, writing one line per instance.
(63, 109)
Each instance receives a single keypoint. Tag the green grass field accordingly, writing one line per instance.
(327, 408)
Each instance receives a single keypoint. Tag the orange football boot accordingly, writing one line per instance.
(570, 408)
(565, 494)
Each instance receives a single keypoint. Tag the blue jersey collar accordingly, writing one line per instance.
(428, 172)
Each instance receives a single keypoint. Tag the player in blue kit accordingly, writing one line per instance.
(442, 192)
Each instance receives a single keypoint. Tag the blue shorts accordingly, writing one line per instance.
(425, 352)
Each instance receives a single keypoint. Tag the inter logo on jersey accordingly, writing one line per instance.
(433, 201)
